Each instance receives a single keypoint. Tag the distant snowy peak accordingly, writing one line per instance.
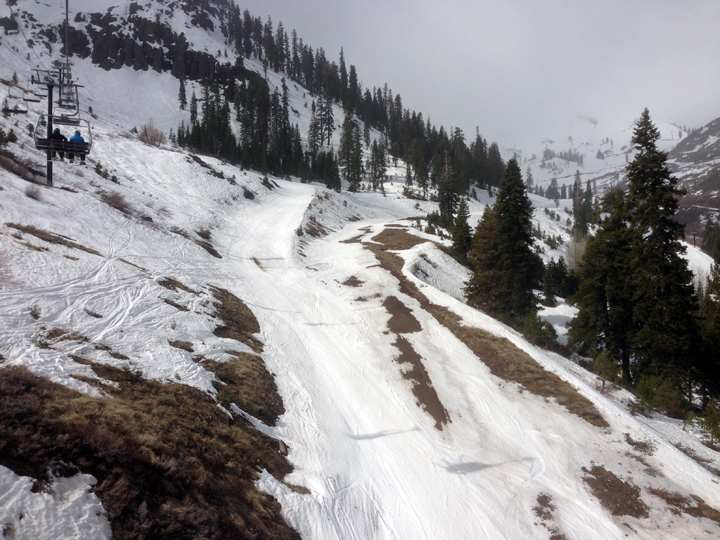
(700, 146)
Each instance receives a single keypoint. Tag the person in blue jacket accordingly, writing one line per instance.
(77, 138)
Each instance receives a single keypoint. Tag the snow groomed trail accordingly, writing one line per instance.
(373, 459)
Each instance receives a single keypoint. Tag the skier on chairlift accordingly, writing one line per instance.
(77, 138)
(57, 136)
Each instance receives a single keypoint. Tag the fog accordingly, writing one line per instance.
(521, 71)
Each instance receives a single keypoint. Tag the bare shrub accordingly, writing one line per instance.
(33, 191)
(575, 251)
(149, 134)
(117, 201)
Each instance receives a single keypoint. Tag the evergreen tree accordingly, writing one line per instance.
(193, 110)
(351, 153)
(182, 96)
(605, 295)
(462, 234)
(514, 264)
(447, 197)
(484, 290)
(709, 370)
(665, 303)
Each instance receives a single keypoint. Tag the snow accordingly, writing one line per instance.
(373, 460)
(69, 510)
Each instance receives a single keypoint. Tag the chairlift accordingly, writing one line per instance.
(69, 99)
(13, 103)
(80, 149)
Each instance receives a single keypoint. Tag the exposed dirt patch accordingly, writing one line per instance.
(167, 461)
(111, 352)
(504, 359)
(248, 384)
(315, 229)
(33, 247)
(706, 463)
(619, 497)
(240, 322)
(423, 389)
(93, 314)
(692, 506)
(397, 239)
(175, 305)
(174, 284)
(183, 345)
(56, 335)
(51, 238)
(353, 240)
(207, 246)
(545, 510)
(353, 281)
(643, 447)
(402, 321)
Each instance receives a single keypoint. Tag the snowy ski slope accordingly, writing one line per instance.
(376, 465)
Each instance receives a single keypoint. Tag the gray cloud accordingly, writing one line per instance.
(522, 70)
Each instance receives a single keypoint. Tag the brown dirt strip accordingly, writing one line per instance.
(247, 383)
(240, 322)
(694, 506)
(619, 497)
(504, 359)
(52, 238)
(402, 321)
(423, 390)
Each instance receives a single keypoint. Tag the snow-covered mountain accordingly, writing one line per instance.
(283, 356)
(601, 154)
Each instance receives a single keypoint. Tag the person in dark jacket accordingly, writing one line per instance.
(57, 136)
(77, 138)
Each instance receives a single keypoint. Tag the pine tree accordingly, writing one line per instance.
(605, 295)
(484, 290)
(665, 304)
(182, 96)
(462, 234)
(193, 110)
(447, 197)
(511, 266)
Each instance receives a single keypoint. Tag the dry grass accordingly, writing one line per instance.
(205, 234)
(169, 463)
(644, 447)
(315, 229)
(51, 238)
(149, 134)
(423, 390)
(183, 345)
(207, 246)
(504, 359)
(353, 281)
(545, 510)
(173, 284)
(247, 383)
(33, 192)
(117, 201)
(175, 305)
(706, 463)
(693, 506)
(619, 497)
(402, 321)
(240, 322)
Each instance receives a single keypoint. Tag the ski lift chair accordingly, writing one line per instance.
(13, 104)
(70, 148)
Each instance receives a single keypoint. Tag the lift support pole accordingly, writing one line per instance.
(49, 135)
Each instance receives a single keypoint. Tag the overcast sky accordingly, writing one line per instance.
(522, 70)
